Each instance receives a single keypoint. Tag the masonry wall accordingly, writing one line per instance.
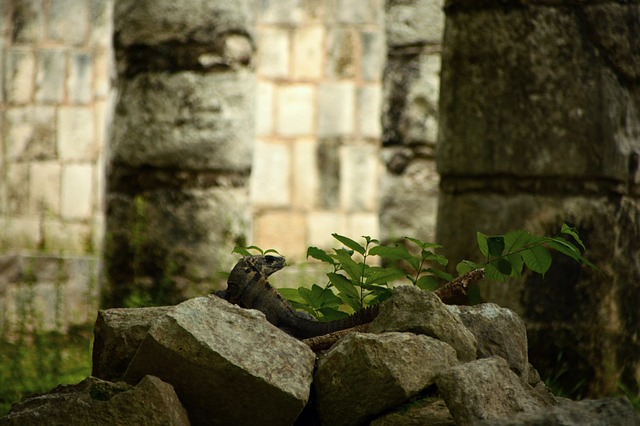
(316, 159)
(54, 97)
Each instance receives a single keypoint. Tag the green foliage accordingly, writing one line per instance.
(37, 362)
(354, 282)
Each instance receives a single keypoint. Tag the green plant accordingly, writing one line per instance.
(357, 283)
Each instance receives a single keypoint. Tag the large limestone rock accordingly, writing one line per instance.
(227, 364)
(100, 403)
(430, 411)
(117, 335)
(416, 311)
(498, 331)
(486, 389)
(366, 374)
(602, 412)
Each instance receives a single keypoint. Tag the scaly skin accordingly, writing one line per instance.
(249, 288)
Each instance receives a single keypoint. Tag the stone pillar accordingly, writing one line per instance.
(540, 125)
(409, 184)
(180, 149)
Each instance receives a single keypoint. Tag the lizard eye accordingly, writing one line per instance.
(270, 259)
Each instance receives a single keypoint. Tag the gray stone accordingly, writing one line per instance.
(363, 374)
(430, 411)
(498, 331)
(153, 22)
(228, 365)
(416, 311)
(185, 120)
(50, 76)
(172, 242)
(117, 335)
(97, 402)
(601, 412)
(529, 106)
(411, 22)
(540, 126)
(486, 389)
(68, 21)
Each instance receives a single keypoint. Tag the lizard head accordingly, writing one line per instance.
(264, 264)
(248, 270)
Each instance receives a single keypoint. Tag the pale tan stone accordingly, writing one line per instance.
(320, 226)
(308, 53)
(21, 233)
(295, 106)
(359, 174)
(305, 173)
(76, 191)
(270, 177)
(273, 52)
(264, 108)
(282, 230)
(44, 188)
(76, 133)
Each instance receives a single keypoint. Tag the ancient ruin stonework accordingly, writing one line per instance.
(181, 146)
(539, 125)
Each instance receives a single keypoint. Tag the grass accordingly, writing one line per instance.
(39, 362)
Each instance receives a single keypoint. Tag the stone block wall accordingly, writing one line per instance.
(316, 160)
(54, 106)
(53, 113)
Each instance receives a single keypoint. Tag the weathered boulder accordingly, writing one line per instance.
(600, 412)
(486, 389)
(97, 402)
(227, 364)
(416, 311)
(498, 331)
(366, 374)
(117, 335)
(430, 411)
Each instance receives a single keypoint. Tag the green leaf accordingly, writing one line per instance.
(427, 282)
(332, 314)
(381, 297)
(308, 297)
(515, 240)
(516, 263)
(566, 229)
(398, 252)
(271, 251)
(482, 243)
(242, 251)
(503, 265)
(537, 258)
(378, 275)
(291, 294)
(348, 242)
(492, 273)
(423, 244)
(495, 246)
(320, 255)
(343, 284)
(428, 255)
(467, 266)
(440, 274)
(350, 266)
(568, 249)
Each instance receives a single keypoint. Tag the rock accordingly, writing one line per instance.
(227, 364)
(498, 331)
(97, 402)
(413, 310)
(365, 374)
(486, 389)
(117, 334)
(602, 412)
(430, 411)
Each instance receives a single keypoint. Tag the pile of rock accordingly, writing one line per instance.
(206, 361)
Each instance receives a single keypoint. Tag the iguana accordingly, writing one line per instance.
(248, 287)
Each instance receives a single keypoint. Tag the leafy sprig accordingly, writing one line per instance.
(353, 283)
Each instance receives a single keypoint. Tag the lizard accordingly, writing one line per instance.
(248, 287)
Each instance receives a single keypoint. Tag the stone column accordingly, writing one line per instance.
(540, 125)
(181, 147)
(409, 184)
